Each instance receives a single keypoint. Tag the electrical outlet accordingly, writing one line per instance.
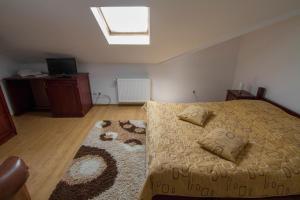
(96, 93)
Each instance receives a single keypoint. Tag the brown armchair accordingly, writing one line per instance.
(13, 175)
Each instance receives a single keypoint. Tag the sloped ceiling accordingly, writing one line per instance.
(34, 29)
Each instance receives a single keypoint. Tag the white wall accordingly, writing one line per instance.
(7, 68)
(103, 78)
(209, 72)
(270, 57)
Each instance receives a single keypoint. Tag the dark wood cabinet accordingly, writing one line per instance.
(69, 97)
(238, 94)
(41, 101)
(20, 93)
(64, 96)
(7, 127)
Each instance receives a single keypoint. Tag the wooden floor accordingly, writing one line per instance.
(48, 144)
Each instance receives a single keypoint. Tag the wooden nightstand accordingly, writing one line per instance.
(238, 94)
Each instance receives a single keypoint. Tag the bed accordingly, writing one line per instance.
(177, 168)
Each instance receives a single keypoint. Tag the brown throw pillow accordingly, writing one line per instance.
(195, 114)
(224, 143)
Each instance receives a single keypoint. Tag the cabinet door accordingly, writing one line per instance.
(7, 128)
(38, 87)
(21, 97)
(64, 98)
(85, 93)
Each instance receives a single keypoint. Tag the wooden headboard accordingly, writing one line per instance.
(260, 95)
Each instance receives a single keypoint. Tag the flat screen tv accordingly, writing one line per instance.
(58, 66)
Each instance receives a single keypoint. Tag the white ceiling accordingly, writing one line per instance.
(33, 29)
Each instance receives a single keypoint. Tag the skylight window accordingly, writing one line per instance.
(124, 25)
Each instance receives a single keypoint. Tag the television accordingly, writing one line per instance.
(57, 66)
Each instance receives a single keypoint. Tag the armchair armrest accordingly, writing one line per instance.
(13, 175)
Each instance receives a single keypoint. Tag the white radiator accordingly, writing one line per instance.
(133, 90)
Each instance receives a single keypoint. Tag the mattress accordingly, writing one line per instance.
(177, 165)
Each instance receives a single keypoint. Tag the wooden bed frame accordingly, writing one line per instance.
(259, 96)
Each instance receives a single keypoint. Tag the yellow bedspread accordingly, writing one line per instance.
(269, 166)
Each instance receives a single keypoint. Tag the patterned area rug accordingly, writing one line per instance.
(109, 165)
